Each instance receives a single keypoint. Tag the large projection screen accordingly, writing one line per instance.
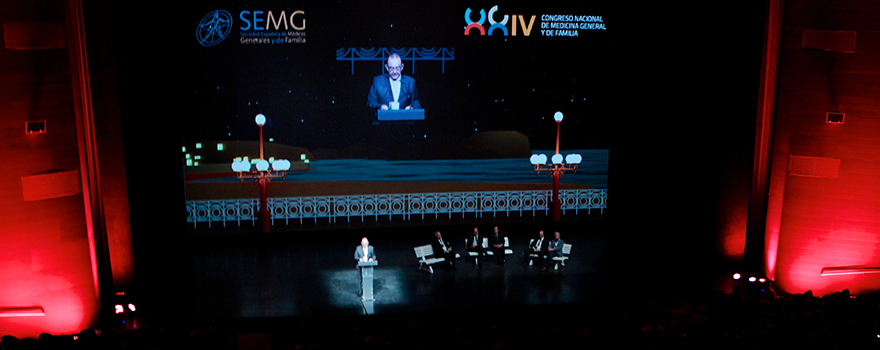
(489, 79)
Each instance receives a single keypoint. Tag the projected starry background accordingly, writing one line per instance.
(490, 83)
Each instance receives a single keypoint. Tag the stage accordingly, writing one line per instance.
(300, 274)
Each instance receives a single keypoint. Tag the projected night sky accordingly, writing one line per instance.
(283, 60)
(489, 78)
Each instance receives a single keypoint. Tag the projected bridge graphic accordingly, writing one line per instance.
(526, 194)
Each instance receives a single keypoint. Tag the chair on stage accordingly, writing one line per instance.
(476, 255)
(560, 260)
(422, 254)
(507, 250)
(532, 256)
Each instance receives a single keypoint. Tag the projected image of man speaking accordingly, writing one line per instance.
(393, 90)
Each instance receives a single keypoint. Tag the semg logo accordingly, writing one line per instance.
(264, 25)
(257, 18)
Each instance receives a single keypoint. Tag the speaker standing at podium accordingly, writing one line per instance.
(364, 252)
(393, 90)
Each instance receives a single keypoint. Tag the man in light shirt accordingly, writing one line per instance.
(554, 248)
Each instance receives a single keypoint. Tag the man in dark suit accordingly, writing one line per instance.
(443, 249)
(393, 90)
(539, 247)
(496, 244)
(475, 244)
(363, 252)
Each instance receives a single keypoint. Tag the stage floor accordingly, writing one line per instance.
(302, 274)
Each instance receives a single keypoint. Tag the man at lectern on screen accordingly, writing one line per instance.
(393, 90)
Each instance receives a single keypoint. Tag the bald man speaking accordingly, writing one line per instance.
(393, 90)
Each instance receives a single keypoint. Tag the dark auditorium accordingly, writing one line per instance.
(274, 175)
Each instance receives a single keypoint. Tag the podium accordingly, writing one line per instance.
(366, 271)
(400, 114)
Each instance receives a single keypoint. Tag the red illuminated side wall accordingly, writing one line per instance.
(45, 260)
(47, 263)
(824, 200)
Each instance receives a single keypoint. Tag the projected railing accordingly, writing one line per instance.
(411, 54)
(412, 206)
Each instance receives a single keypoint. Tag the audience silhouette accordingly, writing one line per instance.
(709, 320)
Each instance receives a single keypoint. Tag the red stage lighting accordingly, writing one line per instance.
(762, 280)
(119, 309)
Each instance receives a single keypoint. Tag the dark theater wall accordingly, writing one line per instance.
(824, 208)
(681, 161)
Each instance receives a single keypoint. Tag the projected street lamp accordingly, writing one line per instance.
(263, 172)
(556, 169)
